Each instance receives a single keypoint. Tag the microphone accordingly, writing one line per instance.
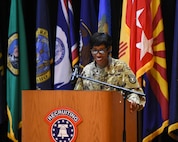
(75, 73)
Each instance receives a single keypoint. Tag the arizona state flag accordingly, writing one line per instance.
(173, 106)
(17, 68)
(142, 47)
(43, 47)
(66, 51)
(88, 26)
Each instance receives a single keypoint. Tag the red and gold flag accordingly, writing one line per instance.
(142, 47)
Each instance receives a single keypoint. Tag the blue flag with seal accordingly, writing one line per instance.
(43, 49)
(88, 26)
(104, 17)
(66, 47)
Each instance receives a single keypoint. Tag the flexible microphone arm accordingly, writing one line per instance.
(125, 90)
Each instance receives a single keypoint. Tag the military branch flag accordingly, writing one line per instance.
(136, 36)
(142, 47)
(88, 26)
(43, 47)
(173, 106)
(104, 17)
(66, 51)
(17, 68)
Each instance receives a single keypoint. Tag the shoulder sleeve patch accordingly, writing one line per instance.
(132, 78)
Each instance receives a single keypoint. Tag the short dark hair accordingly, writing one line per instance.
(99, 39)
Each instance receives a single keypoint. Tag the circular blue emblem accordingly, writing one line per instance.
(59, 51)
(42, 54)
(62, 130)
(13, 54)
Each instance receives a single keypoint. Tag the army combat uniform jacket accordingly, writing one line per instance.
(116, 73)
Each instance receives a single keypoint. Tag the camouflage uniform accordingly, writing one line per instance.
(116, 73)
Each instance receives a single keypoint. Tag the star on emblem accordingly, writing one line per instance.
(138, 13)
(145, 45)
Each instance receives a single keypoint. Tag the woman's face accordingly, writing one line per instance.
(100, 55)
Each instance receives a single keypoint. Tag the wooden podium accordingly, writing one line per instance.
(101, 113)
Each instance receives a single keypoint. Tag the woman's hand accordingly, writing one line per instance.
(135, 107)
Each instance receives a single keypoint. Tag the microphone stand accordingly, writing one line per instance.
(125, 92)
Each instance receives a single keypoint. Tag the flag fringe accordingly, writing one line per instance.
(151, 136)
(171, 130)
(10, 134)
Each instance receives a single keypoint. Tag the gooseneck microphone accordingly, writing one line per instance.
(74, 73)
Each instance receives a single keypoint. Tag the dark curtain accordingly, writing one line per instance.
(29, 9)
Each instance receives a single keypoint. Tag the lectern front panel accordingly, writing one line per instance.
(101, 114)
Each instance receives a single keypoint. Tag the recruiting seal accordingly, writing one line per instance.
(63, 124)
